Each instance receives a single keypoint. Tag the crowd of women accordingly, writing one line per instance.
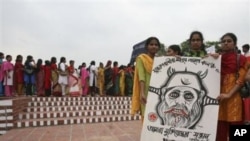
(230, 101)
(47, 78)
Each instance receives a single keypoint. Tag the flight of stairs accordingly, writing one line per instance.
(49, 111)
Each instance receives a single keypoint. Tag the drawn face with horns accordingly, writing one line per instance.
(181, 99)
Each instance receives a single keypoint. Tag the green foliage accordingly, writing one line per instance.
(162, 51)
(213, 43)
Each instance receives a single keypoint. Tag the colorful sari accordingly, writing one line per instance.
(18, 78)
(230, 110)
(122, 82)
(129, 81)
(8, 69)
(108, 82)
(143, 68)
(100, 80)
(56, 88)
(47, 80)
(115, 78)
(73, 84)
(84, 81)
(40, 82)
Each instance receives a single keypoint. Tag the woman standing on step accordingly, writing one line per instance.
(56, 88)
(74, 89)
(29, 75)
(39, 75)
(143, 69)
(18, 75)
(84, 79)
(8, 69)
(63, 75)
(92, 78)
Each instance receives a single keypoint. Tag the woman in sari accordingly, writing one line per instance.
(230, 101)
(129, 76)
(100, 79)
(63, 75)
(47, 78)
(143, 69)
(84, 79)
(74, 89)
(108, 81)
(8, 69)
(56, 88)
(39, 75)
(122, 80)
(197, 47)
(116, 86)
(18, 75)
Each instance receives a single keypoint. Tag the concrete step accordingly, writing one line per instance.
(49, 111)
(47, 99)
(74, 120)
(78, 103)
(73, 108)
(69, 114)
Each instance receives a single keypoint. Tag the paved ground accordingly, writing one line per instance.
(113, 131)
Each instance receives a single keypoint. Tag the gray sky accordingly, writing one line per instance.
(101, 30)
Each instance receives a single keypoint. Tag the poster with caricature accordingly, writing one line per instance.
(181, 104)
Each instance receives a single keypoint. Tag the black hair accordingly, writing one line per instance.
(196, 32)
(38, 65)
(71, 61)
(29, 58)
(231, 35)
(47, 62)
(202, 39)
(7, 56)
(115, 63)
(92, 63)
(53, 60)
(62, 59)
(149, 40)
(19, 58)
(246, 46)
(176, 48)
(83, 64)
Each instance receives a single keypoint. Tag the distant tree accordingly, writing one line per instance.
(184, 46)
(213, 43)
(162, 51)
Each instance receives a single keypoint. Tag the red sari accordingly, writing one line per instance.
(47, 80)
(40, 82)
(18, 78)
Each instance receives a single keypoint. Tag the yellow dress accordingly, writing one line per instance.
(122, 82)
(230, 110)
(100, 80)
(143, 69)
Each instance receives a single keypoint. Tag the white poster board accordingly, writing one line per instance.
(181, 103)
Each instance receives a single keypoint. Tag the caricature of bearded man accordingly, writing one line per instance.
(181, 100)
